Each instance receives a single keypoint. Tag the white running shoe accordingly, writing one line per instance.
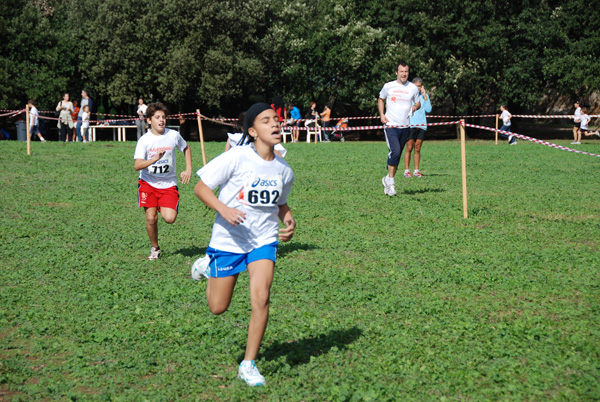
(514, 142)
(154, 254)
(200, 268)
(597, 133)
(388, 188)
(249, 373)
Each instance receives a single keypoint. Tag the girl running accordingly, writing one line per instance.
(254, 185)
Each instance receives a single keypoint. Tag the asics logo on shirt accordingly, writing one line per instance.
(264, 183)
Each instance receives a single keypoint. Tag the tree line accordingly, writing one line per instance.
(222, 56)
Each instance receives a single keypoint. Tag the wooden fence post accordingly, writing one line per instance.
(464, 168)
(201, 135)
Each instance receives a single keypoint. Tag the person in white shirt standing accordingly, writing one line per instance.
(140, 122)
(577, 124)
(399, 99)
(34, 114)
(506, 124)
(155, 160)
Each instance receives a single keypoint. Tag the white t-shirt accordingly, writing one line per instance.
(85, 117)
(577, 115)
(505, 116)
(142, 108)
(399, 99)
(162, 173)
(585, 119)
(251, 184)
(33, 116)
(235, 138)
(84, 102)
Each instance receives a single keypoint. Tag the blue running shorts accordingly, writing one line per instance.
(223, 263)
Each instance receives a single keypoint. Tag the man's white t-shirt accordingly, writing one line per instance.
(251, 184)
(235, 138)
(142, 109)
(399, 99)
(505, 116)
(577, 115)
(162, 173)
(33, 116)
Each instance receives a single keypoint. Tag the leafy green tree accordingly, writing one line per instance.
(35, 60)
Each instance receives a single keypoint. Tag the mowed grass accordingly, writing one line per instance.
(375, 299)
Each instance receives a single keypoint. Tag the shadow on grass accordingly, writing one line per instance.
(300, 351)
(192, 251)
(422, 191)
(286, 248)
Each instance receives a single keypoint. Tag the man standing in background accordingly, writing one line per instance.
(85, 100)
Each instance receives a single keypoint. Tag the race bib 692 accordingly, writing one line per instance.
(263, 191)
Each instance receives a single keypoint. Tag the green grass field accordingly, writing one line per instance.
(375, 299)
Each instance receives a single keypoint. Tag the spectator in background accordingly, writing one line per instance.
(294, 121)
(326, 116)
(418, 128)
(312, 115)
(75, 117)
(279, 108)
(85, 100)
(65, 119)
(141, 121)
(577, 124)
(34, 120)
(85, 122)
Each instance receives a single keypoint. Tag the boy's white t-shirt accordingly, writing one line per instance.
(235, 138)
(253, 185)
(33, 116)
(85, 117)
(399, 99)
(162, 173)
(585, 119)
(505, 116)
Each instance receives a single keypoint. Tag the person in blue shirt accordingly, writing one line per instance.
(294, 121)
(418, 128)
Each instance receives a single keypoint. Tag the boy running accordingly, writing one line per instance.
(34, 127)
(155, 159)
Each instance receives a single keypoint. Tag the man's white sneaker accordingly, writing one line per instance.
(388, 188)
(514, 142)
(200, 268)
(249, 373)
(391, 190)
(154, 254)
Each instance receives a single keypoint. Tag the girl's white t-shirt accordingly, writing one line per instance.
(162, 173)
(505, 116)
(85, 117)
(253, 185)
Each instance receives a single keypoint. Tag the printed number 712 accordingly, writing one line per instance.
(160, 169)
